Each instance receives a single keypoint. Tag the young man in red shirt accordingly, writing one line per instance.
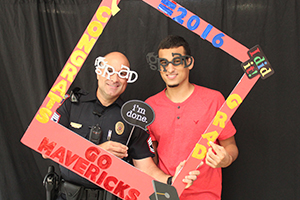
(183, 111)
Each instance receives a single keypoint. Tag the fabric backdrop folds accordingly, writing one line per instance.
(37, 37)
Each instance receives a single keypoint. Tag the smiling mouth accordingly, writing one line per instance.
(171, 76)
(113, 85)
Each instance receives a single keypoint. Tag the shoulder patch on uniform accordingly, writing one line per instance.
(55, 117)
(150, 145)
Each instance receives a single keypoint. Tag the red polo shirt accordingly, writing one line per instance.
(178, 127)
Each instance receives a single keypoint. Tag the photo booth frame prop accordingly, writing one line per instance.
(94, 163)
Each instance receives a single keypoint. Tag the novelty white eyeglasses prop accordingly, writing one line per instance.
(108, 70)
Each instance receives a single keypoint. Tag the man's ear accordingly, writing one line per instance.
(190, 62)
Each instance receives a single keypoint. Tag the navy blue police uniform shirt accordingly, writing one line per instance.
(87, 112)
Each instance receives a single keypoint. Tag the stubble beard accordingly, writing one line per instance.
(173, 86)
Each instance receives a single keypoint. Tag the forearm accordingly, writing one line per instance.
(232, 152)
(147, 166)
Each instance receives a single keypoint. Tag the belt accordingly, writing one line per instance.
(74, 192)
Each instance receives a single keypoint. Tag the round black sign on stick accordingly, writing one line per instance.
(137, 113)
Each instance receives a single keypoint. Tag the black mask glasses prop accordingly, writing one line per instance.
(178, 59)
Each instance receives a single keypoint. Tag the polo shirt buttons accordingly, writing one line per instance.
(178, 117)
(178, 107)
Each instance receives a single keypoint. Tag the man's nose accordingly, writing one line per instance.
(114, 77)
(170, 67)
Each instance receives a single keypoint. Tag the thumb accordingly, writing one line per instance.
(179, 167)
(215, 147)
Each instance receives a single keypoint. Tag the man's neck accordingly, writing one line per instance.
(105, 101)
(180, 93)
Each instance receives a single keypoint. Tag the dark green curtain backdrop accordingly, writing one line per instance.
(37, 37)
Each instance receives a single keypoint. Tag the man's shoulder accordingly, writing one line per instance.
(81, 95)
(205, 91)
(207, 95)
(156, 97)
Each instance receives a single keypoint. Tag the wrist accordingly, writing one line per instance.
(169, 180)
(230, 160)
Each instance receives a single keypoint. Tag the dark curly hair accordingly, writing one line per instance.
(174, 41)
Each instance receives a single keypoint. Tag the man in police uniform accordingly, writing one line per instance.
(83, 110)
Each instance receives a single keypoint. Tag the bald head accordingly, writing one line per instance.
(117, 57)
